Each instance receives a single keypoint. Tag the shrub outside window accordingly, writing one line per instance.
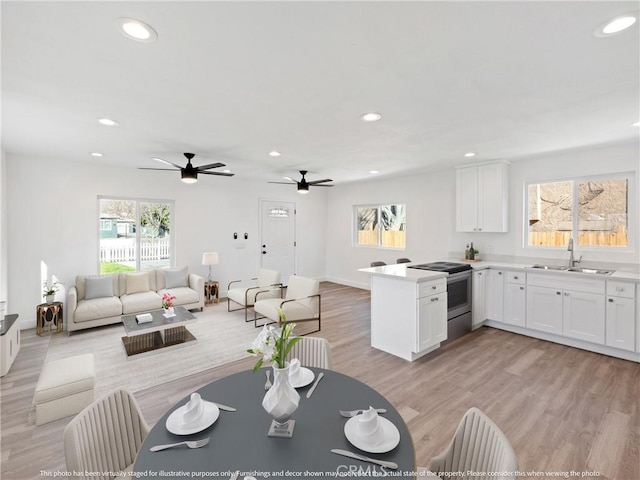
(593, 211)
(381, 225)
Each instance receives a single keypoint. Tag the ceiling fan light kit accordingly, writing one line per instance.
(189, 173)
(303, 185)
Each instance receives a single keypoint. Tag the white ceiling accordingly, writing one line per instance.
(231, 81)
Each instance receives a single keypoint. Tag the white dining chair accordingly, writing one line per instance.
(105, 436)
(266, 285)
(302, 303)
(477, 445)
(312, 352)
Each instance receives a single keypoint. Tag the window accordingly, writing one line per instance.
(593, 210)
(138, 236)
(381, 225)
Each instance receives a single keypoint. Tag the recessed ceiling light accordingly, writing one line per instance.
(370, 117)
(227, 171)
(616, 25)
(373, 172)
(274, 153)
(136, 30)
(469, 154)
(108, 122)
(96, 154)
(637, 124)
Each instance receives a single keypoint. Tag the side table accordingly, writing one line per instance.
(211, 292)
(49, 314)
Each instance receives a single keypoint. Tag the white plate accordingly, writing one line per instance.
(305, 377)
(390, 436)
(209, 416)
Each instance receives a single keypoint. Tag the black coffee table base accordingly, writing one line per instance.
(152, 341)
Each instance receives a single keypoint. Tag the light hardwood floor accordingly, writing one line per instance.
(563, 409)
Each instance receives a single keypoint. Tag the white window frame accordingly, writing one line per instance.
(632, 213)
(377, 206)
(138, 201)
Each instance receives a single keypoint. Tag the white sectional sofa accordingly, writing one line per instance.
(102, 299)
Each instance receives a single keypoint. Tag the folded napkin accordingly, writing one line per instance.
(294, 369)
(144, 318)
(369, 426)
(194, 409)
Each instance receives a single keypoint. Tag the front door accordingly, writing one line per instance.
(278, 239)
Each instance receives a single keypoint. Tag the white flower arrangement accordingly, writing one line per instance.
(274, 344)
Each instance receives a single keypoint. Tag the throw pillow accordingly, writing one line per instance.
(97, 287)
(137, 282)
(176, 278)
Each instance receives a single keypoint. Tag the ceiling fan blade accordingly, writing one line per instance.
(210, 165)
(314, 185)
(315, 182)
(284, 183)
(224, 174)
(167, 162)
(163, 169)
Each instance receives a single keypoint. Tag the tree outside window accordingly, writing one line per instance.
(381, 225)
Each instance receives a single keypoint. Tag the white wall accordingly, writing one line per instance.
(4, 271)
(430, 200)
(430, 203)
(54, 212)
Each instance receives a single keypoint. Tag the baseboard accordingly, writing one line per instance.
(349, 283)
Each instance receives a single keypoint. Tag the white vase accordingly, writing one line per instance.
(49, 299)
(168, 312)
(280, 401)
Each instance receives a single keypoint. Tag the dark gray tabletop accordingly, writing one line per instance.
(132, 327)
(239, 439)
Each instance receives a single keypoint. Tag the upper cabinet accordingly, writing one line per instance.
(482, 197)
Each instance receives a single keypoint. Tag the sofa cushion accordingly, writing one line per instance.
(81, 280)
(95, 308)
(140, 302)
(176, 278)
(184, 295)
(137, 282)
(97, 287)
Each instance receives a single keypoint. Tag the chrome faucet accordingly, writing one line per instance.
(572, 261)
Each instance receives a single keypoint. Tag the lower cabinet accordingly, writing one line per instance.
(478, 294)
(514, 304)
(495, 295)
(583, 316)
(620, 330)
(432, 321)
(544, 309)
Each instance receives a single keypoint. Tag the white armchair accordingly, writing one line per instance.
(265, 285)
(302, 303)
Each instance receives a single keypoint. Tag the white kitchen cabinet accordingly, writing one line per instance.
(478, 295)
(495, 295)
(573, 307)
(514, 303)
(482, 198)
(544, 309)
(583, 316)
(432, 321)
(9, 342)
(620, 330)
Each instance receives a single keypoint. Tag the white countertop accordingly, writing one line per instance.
(401, 272)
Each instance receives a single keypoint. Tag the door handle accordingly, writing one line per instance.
(264, 252)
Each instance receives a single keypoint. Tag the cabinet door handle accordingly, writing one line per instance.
(619, 289)
(611, 300)
(499, 273)
(435, 299)
(558, 293)
(515, 277)
(566, 294)
(433, 287)
(521, 288)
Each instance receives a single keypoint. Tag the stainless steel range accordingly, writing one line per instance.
(458, 296)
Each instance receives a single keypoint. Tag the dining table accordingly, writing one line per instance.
(239, 446)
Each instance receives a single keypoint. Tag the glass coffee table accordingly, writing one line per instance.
(161, 333)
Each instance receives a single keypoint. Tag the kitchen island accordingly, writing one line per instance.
(408, 310)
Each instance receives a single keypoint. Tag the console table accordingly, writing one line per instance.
(49, 314)
(10, 341)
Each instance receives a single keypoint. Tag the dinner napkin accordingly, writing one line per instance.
(193, 410)
(369, 426)
(294, 369)
(144, 318)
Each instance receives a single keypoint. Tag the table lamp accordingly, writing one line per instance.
(210, 258)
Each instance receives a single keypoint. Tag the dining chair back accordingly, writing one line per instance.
(477, 445)
(403, 260)
(105, 436)
(378, 264)
(312, 352)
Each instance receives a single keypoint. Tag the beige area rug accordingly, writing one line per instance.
(222, 337)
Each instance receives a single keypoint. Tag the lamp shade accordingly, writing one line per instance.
(210, 258)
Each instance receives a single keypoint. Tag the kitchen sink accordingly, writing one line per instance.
(594, 271)
(550, 267)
